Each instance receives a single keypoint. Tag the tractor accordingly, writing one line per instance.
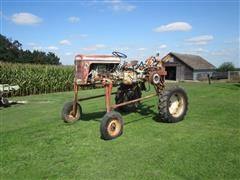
(130, 78)
(6, 89)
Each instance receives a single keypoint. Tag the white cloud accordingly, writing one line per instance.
(24, 18)
(163, 46)
(52, 48)
(173, 27)
(200, 40)
(65, 42)
(118, 5)
(141, 49)
(73, 19)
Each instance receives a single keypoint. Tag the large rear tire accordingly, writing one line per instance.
(125, 94)
(111, 126)
(173, 105)
(67, 112)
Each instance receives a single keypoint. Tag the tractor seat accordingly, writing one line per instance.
(133, 63)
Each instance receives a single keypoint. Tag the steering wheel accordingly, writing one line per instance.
(119, 54)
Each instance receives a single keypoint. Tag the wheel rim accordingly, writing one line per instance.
(156, 78)
(176, 105)
(114, 127)
(71, 117)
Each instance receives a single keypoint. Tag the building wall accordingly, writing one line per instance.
(183, 72)
(188, 73)
(202, 74)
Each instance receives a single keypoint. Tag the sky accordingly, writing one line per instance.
(140, 29)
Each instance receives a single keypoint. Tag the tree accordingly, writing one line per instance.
(226, 66)
(52, 58)
(11, 51)
(8, 52)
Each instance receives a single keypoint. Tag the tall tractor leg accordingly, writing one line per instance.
(72, 111)
(75, 99)
(112, 122)
(108, 92)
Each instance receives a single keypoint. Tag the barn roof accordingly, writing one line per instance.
(193, 61)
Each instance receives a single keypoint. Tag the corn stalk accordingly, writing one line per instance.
(37, 79)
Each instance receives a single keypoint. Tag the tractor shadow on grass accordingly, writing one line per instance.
(94, 116)
(143, 110)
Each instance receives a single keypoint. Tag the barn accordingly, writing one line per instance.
(182, 67)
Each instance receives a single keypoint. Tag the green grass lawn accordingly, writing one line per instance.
(37, 144)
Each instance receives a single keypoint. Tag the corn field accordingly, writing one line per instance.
(37, 79)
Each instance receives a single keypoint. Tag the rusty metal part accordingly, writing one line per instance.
(83, 63)
(133, 101)
(73, 113)
(155, 75)
(133, 62)
(108, 91)
(150, 61)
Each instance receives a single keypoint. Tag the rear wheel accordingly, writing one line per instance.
(173, 105)
(111, 126)
(125, 94)
(68, 115)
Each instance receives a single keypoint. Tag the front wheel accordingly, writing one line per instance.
(4, 102)
(111, 126)
(67, 112)
(173, 105)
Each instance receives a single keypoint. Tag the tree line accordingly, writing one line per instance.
(11, 51)
(226, 66)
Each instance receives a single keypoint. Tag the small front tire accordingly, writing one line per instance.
(111, 126)
(67, 112)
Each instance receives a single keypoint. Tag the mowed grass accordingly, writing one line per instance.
(37, 144)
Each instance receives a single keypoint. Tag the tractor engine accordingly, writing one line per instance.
(129, 77)
(131, 73)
